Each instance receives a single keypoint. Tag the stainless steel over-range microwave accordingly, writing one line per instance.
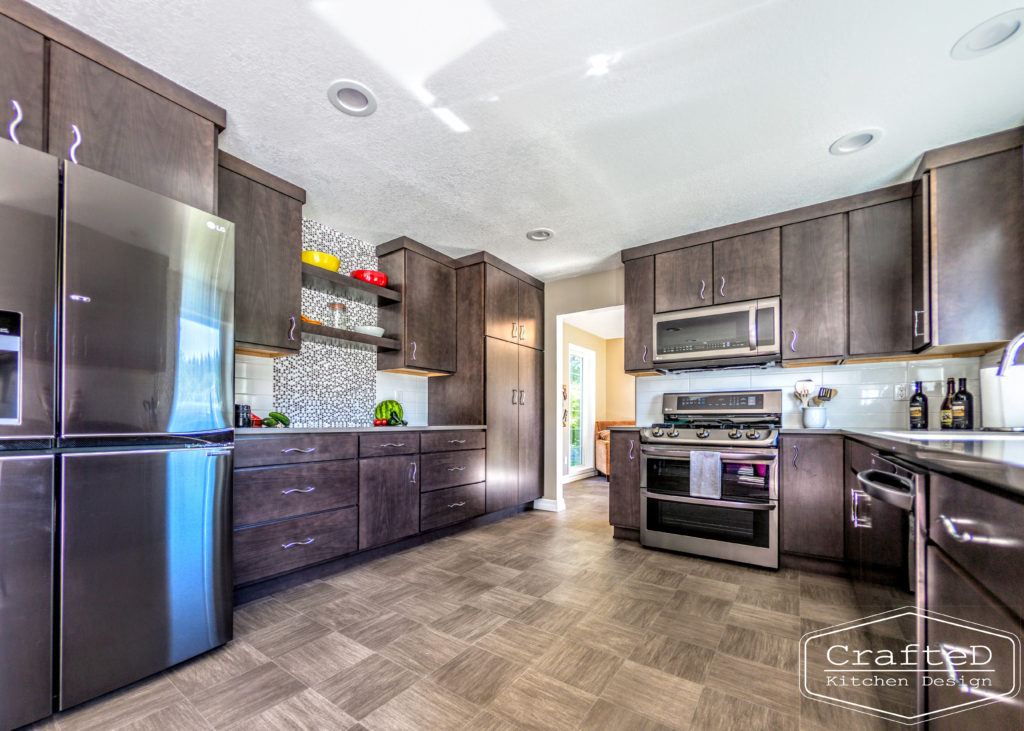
(743, 332)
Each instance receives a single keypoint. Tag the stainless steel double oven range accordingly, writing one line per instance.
(742, 522)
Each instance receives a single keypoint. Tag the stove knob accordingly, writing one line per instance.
(674, 433)
(703, 433)
(753, 434)
(657, 431)
(735, 434)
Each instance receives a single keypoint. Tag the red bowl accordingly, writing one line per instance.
(370, 275)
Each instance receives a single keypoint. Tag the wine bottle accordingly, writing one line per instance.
(918, 408)
(946, 410)
(963, 407)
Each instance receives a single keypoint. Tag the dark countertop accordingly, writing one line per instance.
(284, 431)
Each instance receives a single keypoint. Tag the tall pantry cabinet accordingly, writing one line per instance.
(499, 380)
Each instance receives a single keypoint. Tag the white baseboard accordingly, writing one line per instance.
(554, 506)
(580, 476)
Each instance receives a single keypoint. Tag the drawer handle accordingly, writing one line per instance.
(393, 444)
(456, 441)
(297, 489)
(959, 535)
(457, 505)
(453, 469)
(298, 543)
(290, 450)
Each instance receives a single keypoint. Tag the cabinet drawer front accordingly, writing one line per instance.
(453, 505)
(387, 443)
(982, 532)
(267, 550)
(448, 441)
(260, 451)
(458, 468)
(272, 493)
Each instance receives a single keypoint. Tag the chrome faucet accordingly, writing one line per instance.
(1010, 354)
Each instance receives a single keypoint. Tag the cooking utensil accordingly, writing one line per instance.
(803, 390)
(309, 320)
(824, 395)
(322, 260)
(370, 275)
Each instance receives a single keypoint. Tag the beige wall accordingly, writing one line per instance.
(620, 388)
(562, 297)
(575, 336)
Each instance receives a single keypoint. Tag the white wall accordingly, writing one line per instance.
(865, 390)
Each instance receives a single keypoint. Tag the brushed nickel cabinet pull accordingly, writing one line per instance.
(298, 489)
(792, 343)
(12, 128)
(513, 397)
(522, 401)
(796, 454)
(456, 469)
(298, 543)
(722, 290)
(522, 332)
(514, 330)
(73, 150)
(290, 450)
(457, 505)
(703, 286)
(456, 441)
(393, 444)
(414, 350)
(412, 472)
(645, 353)
(631, 450)
(291, 330)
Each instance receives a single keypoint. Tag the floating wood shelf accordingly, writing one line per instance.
(332, 336)
(342, 285)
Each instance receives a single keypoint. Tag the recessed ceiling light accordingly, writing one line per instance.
(540, 234)
(990, 35)
(855, 141)
(352, 98)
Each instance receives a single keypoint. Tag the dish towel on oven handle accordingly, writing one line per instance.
(705, 474)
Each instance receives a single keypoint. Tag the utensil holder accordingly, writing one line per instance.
(815, 417)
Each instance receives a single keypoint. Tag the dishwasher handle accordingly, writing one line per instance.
(888, 487)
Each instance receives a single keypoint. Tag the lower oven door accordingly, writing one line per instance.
(739, 531)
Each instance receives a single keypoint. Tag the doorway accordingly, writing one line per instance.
(579, 449)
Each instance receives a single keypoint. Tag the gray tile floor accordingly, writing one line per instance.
(542, 620)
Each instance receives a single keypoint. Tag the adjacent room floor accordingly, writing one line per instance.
(541, 620)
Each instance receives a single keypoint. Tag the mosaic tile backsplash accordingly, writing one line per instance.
(329, 385)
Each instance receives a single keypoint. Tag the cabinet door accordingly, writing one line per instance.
(268, 273)
(881, 284)
(502, 397)
(814, 288)
(531, 424)
(531, 316)
(682, 279)
(639, 296)
(389, 499)
(921, 272)
(130, 132)
(747, 267)
(501, 304)
(429, 301)
(812, 495)
(624, 480)
(977, 230)
(22, 79)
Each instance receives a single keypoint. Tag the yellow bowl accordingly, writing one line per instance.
(322, 260)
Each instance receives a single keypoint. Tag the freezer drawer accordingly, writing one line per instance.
(145, 581)
(148, 312)
(28, 285)
(26, 589)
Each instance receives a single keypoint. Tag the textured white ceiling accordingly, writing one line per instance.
(712, 111)
(607, 323)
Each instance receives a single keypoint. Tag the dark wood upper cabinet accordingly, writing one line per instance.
(501, 304)
(531, 316)
(425, 320)
(531, 424)
(502, 399)
(747, 267)
(22, 80)
(130, 132)
(639, 300)
(268, 251)
(389, 499)
(881, 258)
(814, 288)
(812, 496)
(624, 480)
(976, 230)
(683, 279)
(920, 263)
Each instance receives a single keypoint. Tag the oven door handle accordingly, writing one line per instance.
(727, 455)
(707, 501)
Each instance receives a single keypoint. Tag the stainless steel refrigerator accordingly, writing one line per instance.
(116, 369)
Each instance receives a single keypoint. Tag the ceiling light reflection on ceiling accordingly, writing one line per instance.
(990, 35)
(855, 141)
(602, 63)
(451, 119)
(540, 234)
(351, 97)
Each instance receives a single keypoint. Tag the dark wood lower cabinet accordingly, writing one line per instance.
(272, 493)
(268, 550)
(389, 499)
(624, 480)
(811, 500)
(531, 424)
(451, 505)
(502, 399)
(446, 469)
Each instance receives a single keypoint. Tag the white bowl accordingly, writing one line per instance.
(369, 330)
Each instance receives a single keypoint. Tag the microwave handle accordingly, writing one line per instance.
(707, 501)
